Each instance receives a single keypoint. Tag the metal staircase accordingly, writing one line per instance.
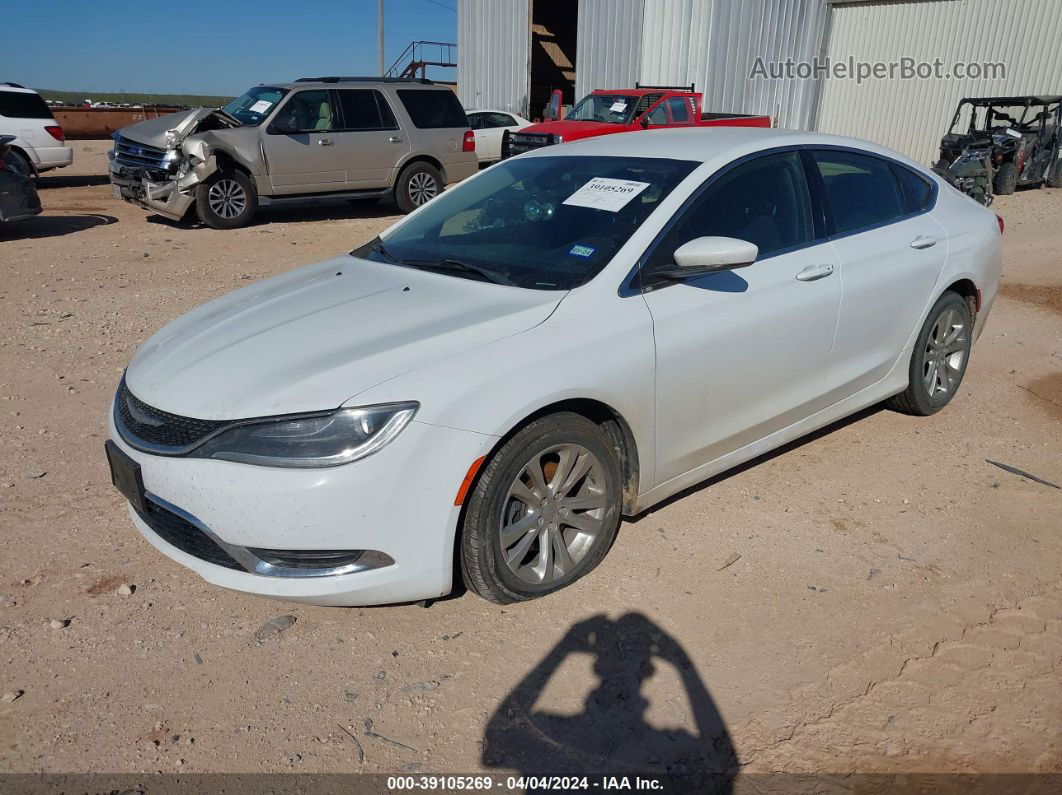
(419, 55)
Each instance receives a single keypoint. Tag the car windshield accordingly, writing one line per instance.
(544, 223)
(610, 108)
(254, 105)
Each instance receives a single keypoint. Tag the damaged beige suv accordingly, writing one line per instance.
(341, 137)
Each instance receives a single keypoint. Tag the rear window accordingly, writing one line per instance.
(917, 190)
(431, 109)
(20, 105)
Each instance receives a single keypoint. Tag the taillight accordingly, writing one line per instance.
(469, 144)
(56, 132)
(1002, 225)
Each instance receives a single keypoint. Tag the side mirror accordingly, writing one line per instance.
(284, 124)
(704, 255)
(644, 121)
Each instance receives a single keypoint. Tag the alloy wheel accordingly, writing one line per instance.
(422, 188)
(227, 198)
(944, 354)
(553, 514)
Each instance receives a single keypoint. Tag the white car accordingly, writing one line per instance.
(39, 143)
(490, 126)
(571, 336)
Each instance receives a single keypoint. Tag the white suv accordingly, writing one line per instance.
(39, 140)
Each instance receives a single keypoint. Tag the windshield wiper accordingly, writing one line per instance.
(376, 246)
(456, 266)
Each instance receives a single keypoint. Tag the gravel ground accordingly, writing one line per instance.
(874, 598)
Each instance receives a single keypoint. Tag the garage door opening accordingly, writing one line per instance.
(553, 37)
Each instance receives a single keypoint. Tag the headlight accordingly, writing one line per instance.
(322, 440)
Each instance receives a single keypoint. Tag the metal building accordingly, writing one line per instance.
(911, 114)
(513, 53)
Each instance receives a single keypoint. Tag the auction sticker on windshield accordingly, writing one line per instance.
(261, 106)
(603, 193)
(618, 107)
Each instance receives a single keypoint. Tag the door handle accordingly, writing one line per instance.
(326, 142)
(923, 241)
(813, 272)
(396, 139)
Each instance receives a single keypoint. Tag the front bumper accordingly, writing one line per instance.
(398, 502)
(164, 197)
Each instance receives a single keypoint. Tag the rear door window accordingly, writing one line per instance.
(365, 109)
(680, 110)
(432, 108)
(917, 190)
(23, 105)
(499, 120)
(862, 190)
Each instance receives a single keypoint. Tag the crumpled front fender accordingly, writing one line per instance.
(172, 198)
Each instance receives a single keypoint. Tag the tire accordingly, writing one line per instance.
(1054, 176)
(935, 374)
(227, 200)
(21, 164)
(571, 453)
(1006, 180)
(418, 184)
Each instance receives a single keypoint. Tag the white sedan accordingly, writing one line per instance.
(570, 337)
(489, 127)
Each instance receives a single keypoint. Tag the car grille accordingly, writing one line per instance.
(146, 427)
(518, 143)
(179, 532)
(131, 153)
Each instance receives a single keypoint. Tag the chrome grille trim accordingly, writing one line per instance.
(137, 155)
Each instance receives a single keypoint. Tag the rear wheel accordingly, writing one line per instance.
(227, 200)
(1054, 176)
(1006, 181)
(418, 184)
(939, 359)
(544, 511)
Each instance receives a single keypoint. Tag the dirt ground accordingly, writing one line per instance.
(892, 602)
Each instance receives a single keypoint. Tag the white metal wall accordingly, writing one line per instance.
(492, 54)
(911, 115)
(609, 45)
(715, 43)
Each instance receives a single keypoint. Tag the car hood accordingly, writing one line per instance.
(572, 130)
(152, 132)
(311, 339)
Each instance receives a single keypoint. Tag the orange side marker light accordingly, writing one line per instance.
(469, 477)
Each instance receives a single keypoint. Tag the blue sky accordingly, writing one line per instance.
(197, 47)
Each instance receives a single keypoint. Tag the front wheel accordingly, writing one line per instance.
(20, 164)
(939, 358)
(1006, 180)
(227, 200)
(418, 184)
(544, 512)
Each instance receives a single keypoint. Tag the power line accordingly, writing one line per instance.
(442, 5)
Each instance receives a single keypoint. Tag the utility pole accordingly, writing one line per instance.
(379, 36)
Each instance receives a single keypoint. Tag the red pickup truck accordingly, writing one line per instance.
(605, 111)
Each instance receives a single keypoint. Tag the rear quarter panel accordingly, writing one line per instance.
(975, 250)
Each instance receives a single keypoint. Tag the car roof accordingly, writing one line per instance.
(15, 87)
(708, 144)
(334, 82)
(1025, 100)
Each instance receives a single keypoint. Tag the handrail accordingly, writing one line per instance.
(409, 57)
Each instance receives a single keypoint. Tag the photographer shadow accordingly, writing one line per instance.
(611, 736)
